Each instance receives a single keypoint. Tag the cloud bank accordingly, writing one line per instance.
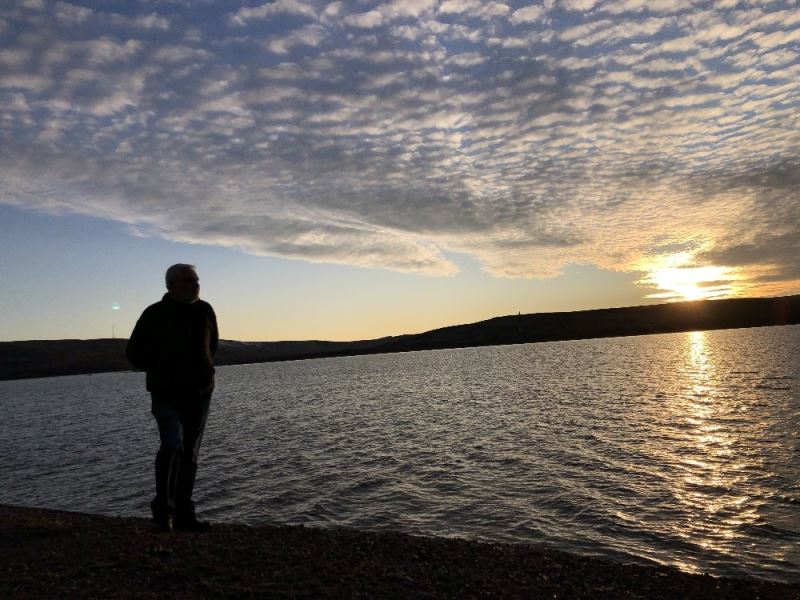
(617, 133)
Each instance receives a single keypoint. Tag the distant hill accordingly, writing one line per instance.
(69, 357)
(609, 322)
(47, 358)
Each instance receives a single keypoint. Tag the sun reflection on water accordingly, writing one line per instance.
(712, 471)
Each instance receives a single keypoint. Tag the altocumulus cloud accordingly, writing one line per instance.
(531, 136)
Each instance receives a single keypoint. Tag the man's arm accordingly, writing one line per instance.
(214, 341)
(140, 348)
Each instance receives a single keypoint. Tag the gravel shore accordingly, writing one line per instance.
(49, 554)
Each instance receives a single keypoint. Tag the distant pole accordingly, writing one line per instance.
(112, 332)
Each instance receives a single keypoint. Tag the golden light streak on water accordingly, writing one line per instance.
(712, 472)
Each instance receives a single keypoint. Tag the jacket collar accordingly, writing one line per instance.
(167, 299)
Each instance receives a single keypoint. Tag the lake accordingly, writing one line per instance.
(682, 449)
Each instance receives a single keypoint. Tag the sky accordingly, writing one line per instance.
(351, 170)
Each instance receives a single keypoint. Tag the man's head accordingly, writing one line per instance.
(183, 284)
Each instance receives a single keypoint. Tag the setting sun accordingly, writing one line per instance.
(693, 283)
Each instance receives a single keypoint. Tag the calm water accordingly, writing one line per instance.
(683, 449)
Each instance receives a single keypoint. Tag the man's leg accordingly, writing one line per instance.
(168, 458)
(194, 416)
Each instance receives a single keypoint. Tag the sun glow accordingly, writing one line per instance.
(693, 283)
(676, 278)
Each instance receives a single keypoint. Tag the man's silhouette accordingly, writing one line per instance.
(174, 341)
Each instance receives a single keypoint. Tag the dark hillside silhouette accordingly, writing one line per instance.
(609, 322)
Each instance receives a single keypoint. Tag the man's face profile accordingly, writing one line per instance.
(185, 286)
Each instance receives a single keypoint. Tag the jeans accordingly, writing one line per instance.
(181, 422)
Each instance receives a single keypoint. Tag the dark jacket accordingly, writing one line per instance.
(175, 344)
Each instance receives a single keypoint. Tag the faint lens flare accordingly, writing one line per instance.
(115, 306)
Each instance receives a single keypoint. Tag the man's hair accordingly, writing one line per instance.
(175, 270)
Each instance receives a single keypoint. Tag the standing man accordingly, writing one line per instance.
(174, 341)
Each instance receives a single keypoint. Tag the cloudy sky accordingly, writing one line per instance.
(342, 170)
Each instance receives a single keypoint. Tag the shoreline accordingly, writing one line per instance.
(50, 553)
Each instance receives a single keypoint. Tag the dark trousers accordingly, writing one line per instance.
(181, 421)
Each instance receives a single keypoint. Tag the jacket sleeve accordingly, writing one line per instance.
(140, 351)
(214, 341)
